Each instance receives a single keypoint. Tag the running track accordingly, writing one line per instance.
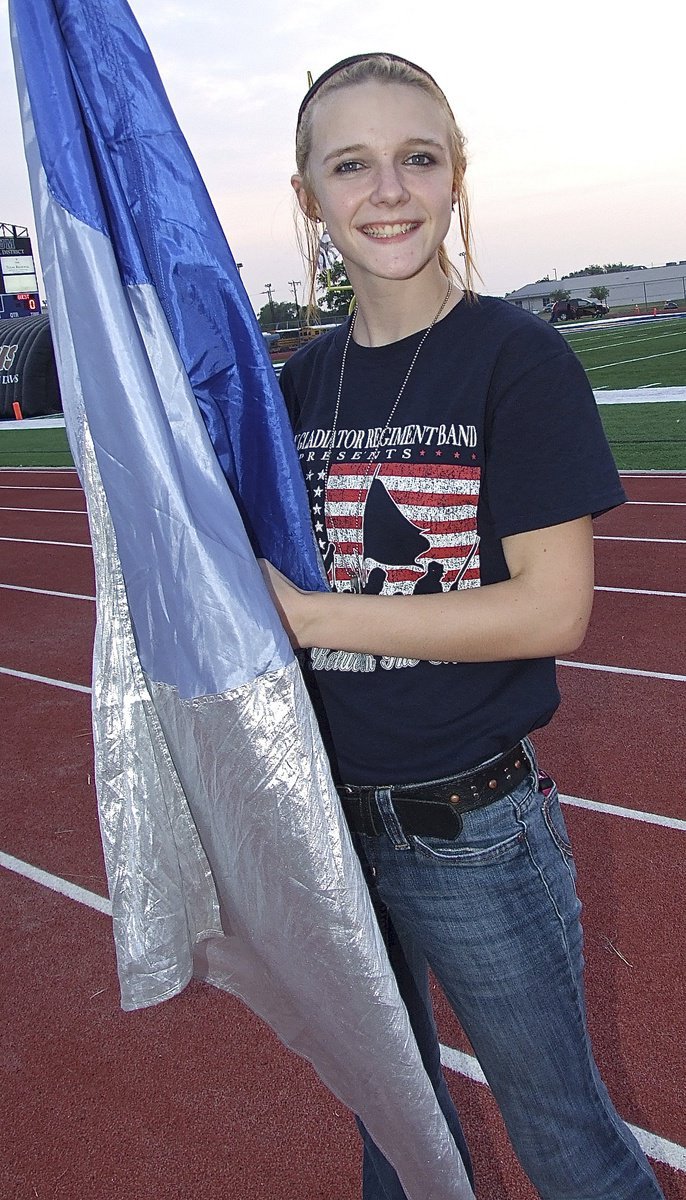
(196, 1096)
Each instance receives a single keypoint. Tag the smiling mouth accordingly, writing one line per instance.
(390, 231)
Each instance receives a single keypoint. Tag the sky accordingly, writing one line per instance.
(573, 115)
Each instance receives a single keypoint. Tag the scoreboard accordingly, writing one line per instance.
(18, 283)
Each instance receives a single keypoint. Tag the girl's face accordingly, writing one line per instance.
(381, 178)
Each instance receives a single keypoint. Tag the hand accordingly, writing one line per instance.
(289, 600)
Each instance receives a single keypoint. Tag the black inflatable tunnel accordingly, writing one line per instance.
(28, 376)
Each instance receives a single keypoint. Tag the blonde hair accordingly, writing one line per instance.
(384, 68)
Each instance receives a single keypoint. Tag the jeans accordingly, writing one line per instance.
(495, 916)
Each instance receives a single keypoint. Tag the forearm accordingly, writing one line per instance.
(542, 610)
(501, 621)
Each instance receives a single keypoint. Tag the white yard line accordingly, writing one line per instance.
(612, 343)
(644, 358)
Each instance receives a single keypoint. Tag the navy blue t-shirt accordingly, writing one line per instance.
(497, 433)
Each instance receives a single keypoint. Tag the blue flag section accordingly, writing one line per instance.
(226, 852)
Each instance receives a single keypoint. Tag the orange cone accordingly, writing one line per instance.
(16, 408)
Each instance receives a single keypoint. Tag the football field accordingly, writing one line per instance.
(632, 355)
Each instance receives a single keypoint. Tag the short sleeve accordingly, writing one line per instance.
(290, 395)
(547, 457)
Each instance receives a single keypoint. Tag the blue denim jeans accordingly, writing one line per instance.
(495, 916)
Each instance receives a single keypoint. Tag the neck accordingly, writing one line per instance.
(390, 309)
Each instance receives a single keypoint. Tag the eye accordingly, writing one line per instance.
(420, 159)
(348, 167)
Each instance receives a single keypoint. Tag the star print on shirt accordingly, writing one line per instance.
(317, 491)
(321, 475)
(309, 475)
(316, 508)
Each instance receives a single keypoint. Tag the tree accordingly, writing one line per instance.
(594, 269)
(337, 292)
(620, 266)
(287, 315)
(559, 294)
(599, 292)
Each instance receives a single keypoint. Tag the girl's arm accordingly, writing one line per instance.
(541, 611)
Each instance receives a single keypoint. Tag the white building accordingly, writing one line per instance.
(648, 287)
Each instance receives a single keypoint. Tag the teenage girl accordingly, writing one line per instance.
(454, 458)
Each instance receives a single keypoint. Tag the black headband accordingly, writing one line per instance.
(349, 62)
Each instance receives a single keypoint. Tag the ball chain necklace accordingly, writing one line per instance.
(355, 563)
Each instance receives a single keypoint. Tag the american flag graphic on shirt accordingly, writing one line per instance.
(435, 503)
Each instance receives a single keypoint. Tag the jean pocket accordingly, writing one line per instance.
(468, 855)
(555, 822)
(489, 835)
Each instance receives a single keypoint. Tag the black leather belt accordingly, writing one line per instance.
(434, 809)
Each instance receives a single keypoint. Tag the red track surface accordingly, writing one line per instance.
(197, 1096)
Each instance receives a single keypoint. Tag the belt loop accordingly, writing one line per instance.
(391, 823)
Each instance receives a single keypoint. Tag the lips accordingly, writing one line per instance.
(396, 229)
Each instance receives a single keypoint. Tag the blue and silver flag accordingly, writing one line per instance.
(225, 849)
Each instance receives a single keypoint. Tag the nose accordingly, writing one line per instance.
(389, 185)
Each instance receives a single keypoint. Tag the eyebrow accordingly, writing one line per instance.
(357, 149)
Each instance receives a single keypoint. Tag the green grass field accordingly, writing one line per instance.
(646, 354)
(34, 447)
(650, 354)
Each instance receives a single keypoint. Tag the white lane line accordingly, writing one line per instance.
(639, 592)
(648, 503)
(14, 587)
(632, 814)
(44, 542)
(36, 487)
(600, 537)
(658, 1148)
(61, 511)
(655, 1146)
(63, 886)
(60, 683)
(561, 662)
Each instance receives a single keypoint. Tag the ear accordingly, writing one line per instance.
(307, 203)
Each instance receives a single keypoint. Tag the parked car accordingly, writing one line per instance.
(670, 306)
(577, 309)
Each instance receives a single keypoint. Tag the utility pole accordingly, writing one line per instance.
(268, 292)
(295, 283)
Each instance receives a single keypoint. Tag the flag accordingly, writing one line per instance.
(225, 848)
